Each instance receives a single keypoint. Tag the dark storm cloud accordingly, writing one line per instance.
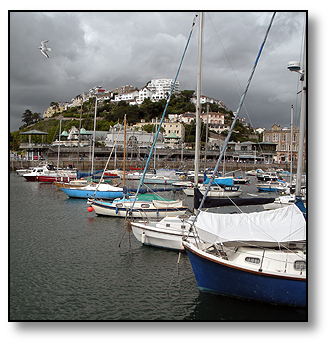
(117, 48)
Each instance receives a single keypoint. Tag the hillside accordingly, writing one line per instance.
(109, 113)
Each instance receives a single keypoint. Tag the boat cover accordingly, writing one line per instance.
(225, 201)
(286, 224)
(221, 181)
(164, 204)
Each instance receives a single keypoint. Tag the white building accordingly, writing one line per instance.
(144, 93)
(128, 97)
(161, 88)
(205, 99)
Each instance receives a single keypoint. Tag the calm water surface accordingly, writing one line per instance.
(66, 264)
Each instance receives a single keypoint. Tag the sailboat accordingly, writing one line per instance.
(139, 206)
(102, 190)
(258, 256)
(146, 206)
(221, 187)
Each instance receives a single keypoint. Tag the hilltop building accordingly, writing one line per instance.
(55, 108)
(161, 88)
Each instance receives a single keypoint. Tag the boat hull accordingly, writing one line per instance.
(159, 181)
(51, 179)
(271, 188)
(85, 194)
(30, 178)
(219, 278)
(227, 192)
(158, 237)
(113, 210)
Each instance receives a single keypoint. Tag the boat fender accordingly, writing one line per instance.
(143, 237)
(90, 208)
(116, 209)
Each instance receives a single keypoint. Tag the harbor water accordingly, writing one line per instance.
(67, 264)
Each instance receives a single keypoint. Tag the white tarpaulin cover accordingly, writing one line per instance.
(280, 225)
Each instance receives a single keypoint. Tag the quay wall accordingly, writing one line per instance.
(99, 164)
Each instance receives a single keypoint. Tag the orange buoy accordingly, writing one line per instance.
(90, 209)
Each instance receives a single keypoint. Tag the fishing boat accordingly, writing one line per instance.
(21, 172)
(267, 176)
(257, 256)
(146, 206)
(62, 175)
(38, 171)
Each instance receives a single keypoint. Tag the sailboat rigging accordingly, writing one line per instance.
(257, 256)
(152, 207)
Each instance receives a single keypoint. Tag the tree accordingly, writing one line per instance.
(187, 95)
(27, 117)
(36, 117)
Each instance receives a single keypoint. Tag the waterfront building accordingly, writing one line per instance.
(175, 128)
(35, 145)
(282, 137)
(134, 138)
(172, 140)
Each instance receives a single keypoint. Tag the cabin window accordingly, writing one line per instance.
(168, 225)
(252, 260)
(299, 265)
(145, 205)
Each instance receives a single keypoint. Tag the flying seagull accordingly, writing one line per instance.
(43, 48)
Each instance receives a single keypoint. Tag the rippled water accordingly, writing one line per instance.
(66, 264)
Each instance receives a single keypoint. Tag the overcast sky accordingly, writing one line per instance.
(112, 49)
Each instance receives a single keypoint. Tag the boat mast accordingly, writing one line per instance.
(198, 101)
(302, 125)
(235, 118)
(207, 132)
(291, 131)
(124, 161)
(59, 146)
(93, 148)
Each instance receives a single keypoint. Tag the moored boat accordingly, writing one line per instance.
(101, 191)
(145, 206)
(258, 256)
(167, 233)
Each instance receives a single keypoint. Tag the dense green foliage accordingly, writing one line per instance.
(109, 113)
